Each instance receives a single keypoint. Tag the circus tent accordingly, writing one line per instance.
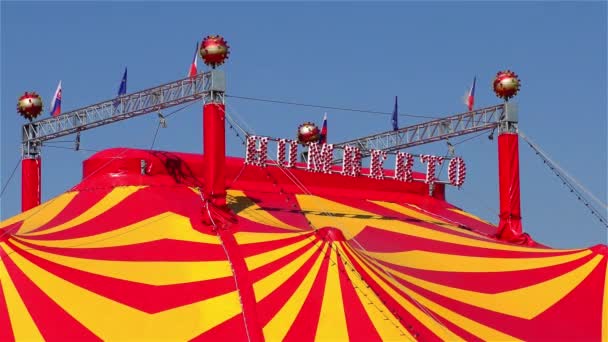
(128, 254)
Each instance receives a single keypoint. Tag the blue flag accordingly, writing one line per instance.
(123, 84)
(395, 114)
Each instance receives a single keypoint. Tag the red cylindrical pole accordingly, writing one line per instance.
(214, 149)
(510, 227)
(30, 183)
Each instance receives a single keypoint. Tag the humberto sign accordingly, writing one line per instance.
(320, 157)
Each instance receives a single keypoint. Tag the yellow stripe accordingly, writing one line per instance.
(116, 196)
(352, 221)
(482, 331)
(427, 218)
(246, 208)
(266, 286)
(332, 320)
(279, 325)
(259, 260)
(113, 321)
(48, 212)
(464, 213)
(385, 323)
(34, 212)
(146, 272)
(163, 226)
(431, 261)
(527, 302)
(437, 329)
(24, 328)
(605, 309)
(244, 238)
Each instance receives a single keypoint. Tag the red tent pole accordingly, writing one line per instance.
(214, 149)
(30, 182)
(509, 228)
(214, 140)
(508, 174)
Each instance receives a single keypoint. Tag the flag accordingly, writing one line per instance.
(324, 130)
(122, 90)
(470, 98)
(193, 66)
(56, 103)
(395, 114)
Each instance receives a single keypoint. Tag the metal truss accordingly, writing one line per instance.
(209, 86)
(428, 132)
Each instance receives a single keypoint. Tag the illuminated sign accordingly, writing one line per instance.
(319, 158)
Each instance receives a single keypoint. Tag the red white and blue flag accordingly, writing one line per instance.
(193, 66)
(56, 103)
(324, 130)
(470, 98)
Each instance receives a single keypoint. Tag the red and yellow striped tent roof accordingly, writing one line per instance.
(301, 256)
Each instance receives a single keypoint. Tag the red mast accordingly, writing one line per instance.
(214, 51)
(509, 228)
(214, 144)
(506, 85)
(29, 106)
(30, 182)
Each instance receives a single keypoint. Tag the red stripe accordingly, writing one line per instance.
(476, 225)
(586, 297)
(380, 240)
(9, 230)
(433, 208)
(147, 298)
(490, 282)
(150, 202)
(231, 330)
(270, 268)
(79, 204)
(283, 206)
(54, 323)
(580, 313)
(360, 327)
(244, 285)
(457, 330)
(246, 225)
(304, 328)
(417, 329)
(6, 332)
(269, 306)
(162, 250)
(262, 247)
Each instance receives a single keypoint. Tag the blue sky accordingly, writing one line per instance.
(356, 55)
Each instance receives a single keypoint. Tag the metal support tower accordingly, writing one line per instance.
(202, 86)
(209, 86)
(431, 131)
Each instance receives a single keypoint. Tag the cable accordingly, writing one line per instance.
(69, 148)
(567, 179)
(155, 134)
(165, 117)
(470, 138)
(9, 178)
(329, 107)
